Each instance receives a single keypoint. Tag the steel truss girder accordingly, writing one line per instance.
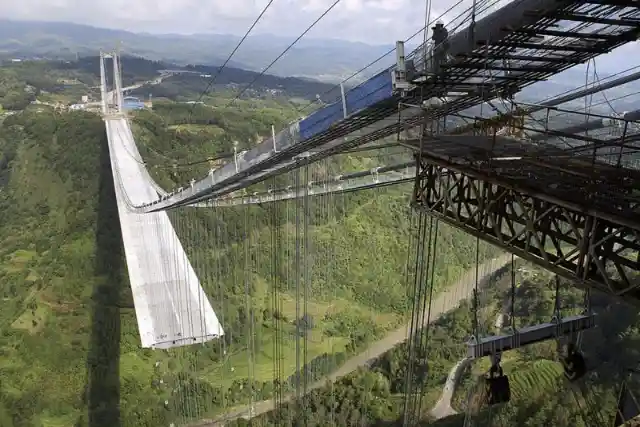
(595, 251)
(568, 326)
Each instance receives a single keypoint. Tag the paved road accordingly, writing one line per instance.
(442, 408)
(445, 301)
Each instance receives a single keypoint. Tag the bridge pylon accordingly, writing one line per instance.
(112, 97)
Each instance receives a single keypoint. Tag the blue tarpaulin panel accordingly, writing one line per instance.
(320, 120)
(369, 93)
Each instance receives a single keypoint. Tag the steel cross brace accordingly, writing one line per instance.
(595, 251)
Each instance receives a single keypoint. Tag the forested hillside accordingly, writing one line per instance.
(67, 81)
(62, 278)
(190, 87)
(23, 83)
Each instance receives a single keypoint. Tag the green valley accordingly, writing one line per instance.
(322, 285)
(68, 325)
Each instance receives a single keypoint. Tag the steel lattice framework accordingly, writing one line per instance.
(581, 221)
(574, 211)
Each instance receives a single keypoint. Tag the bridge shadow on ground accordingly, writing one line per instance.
(103, 363)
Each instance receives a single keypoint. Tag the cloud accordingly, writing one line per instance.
(371, 21)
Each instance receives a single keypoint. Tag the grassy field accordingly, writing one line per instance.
(528, 379)
(533, 378)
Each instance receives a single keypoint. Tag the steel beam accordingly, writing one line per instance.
(595, 244)
(530, 335)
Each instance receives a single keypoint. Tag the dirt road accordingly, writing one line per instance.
(442, 408)
(444, 302)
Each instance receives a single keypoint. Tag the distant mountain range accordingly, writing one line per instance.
(325, 60)
(328, 60)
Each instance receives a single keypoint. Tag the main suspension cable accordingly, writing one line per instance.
(335, 3)
(233, 52)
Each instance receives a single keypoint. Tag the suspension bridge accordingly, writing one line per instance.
(563, 198)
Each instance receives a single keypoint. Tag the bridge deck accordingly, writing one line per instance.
(171, 307)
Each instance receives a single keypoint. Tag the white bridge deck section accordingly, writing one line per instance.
(171, 307)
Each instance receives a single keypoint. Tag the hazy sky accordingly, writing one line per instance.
(370, 21)
(373, 21)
